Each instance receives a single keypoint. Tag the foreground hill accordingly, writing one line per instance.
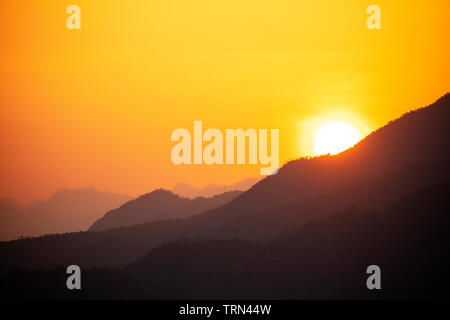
(407, 155)
(409, 241)
(65, 211)
(158, 205)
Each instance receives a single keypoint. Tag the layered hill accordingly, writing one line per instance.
(159, 205)
(65, 211)
(408, 240)
(403, 157)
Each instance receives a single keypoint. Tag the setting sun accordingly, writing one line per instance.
(334, 137)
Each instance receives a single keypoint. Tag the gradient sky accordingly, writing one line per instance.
(97, 106)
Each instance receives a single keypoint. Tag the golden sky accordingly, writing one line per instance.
(97, 106)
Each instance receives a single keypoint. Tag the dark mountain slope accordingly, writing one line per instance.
(405, 156)
(159, 205)
(410, 241)
(324, 259)
(417, 140)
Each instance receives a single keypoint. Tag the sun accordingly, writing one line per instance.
(333, 137)
(331, 132)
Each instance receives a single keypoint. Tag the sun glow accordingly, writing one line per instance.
(334, 137)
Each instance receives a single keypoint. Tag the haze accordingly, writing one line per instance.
(97, 105)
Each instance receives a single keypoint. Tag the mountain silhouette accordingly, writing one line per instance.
(408, 240)
(186, 190)
(10, 222)
(405, 156)
(159, 205)
(65, 211)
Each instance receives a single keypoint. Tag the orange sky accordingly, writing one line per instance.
(97, 106)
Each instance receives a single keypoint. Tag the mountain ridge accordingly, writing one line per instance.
(157, 205)
(407, 155)
(321, 260)
(186, 190)
(65, 211)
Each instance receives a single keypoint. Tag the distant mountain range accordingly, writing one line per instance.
(65, 211)
(308, 231)
(159, 205)
(186, 190)
(327, 259)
